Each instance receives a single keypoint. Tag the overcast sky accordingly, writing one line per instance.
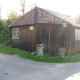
(69, 7)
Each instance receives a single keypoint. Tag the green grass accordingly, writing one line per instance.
(50, 59)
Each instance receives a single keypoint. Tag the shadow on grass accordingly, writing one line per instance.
(50, 59)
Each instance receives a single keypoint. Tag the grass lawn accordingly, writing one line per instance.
(51, 59)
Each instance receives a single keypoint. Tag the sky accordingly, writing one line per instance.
(67, 7)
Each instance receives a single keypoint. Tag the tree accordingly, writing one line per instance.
(23, 6)
(13, 16)
(4, 32)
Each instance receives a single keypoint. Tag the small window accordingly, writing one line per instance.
(15, 33)
(77, 34)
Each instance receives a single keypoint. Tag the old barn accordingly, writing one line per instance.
(42, 26)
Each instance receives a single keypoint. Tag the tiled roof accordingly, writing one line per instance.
(26, 19)
(39, 15)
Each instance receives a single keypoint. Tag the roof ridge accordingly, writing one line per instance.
(35, 15)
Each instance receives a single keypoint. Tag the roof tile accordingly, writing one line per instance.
(39, 15)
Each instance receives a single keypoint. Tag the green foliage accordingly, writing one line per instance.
(4, 31)
(7, 49)
(13, 16)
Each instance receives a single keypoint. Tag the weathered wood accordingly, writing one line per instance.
(52, 36)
